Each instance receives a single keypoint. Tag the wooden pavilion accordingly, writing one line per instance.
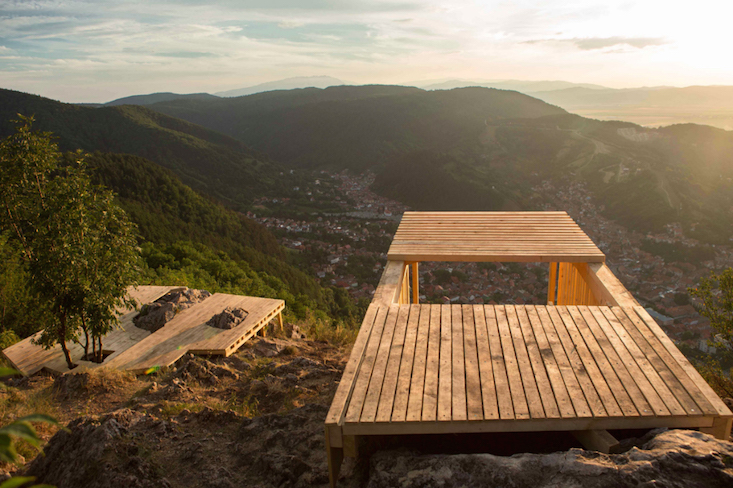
(590, 360)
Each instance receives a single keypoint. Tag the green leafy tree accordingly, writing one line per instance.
(79, 247)
(714, 300)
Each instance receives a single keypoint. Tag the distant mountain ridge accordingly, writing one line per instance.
(285, 84)
(523, 86)
(157, 97)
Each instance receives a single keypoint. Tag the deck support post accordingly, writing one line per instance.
(720, 429)
(415, 284)
(280, 320)
(596, 440)
(335, 458)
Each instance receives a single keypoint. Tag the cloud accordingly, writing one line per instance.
(593, 43)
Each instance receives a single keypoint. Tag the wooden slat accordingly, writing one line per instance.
(358, 395)
(579, 368)
(549, 404)
(503, 390)
(529, 381)
(684, 388)
(432, 372)
(445, 374)
(343, 392)
(458, 384)
(417, 382)
(402, 393)
(557, 369)
(614, 362)
(485, 362)
(707, 392)
(630, 355)
(600, 372)
(516, 388)
(391, 374)
(472, 379)
(371, 402)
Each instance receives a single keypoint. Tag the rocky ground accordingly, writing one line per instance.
(256, 419)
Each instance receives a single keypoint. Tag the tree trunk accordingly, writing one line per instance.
(100, 351)
(62, 341)
(94, 347)
(86, 337)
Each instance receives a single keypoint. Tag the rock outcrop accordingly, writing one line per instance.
(154, 316)
(675, 458)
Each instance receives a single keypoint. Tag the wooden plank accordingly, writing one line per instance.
(532, 394)
(616, 321)
(601, 372)
(549, 404)
(402, 395)
(715, 401)
(432, 372)
(371, 402)
(688, 392)
(503, 390)
(486, 372)
(578, 366)
(516, 388)
(655, 357)
(392, 371)
(445, 374)
(605, 319)
(417, 382)
(620, 368)
(557, 368)
(356, 402)
(458, 384)
(346, 384)
(474, 405)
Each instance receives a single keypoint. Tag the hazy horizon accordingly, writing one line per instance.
(84, 51)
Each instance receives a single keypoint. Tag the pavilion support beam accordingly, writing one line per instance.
(415, 283)
(596, 440)
(552, 284)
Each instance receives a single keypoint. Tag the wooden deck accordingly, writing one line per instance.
(419, 369)
(138, 350)
(492, 236)
(588, 361)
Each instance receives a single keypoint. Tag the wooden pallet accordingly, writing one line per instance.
(138, 350)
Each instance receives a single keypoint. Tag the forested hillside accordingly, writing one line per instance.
(203, 159)
(356, 127)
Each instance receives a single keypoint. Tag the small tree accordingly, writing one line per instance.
(79, 246)
(714, 300)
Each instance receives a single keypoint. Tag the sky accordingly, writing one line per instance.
(99, 50)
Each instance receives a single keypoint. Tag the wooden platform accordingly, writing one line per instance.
(590, 360)
(419, 369)
(492, 236)
(138, 350)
